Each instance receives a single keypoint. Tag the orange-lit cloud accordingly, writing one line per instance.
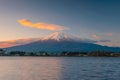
(96, 36)
(40, 25)
(11, 43)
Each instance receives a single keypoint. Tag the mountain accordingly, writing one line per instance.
(58, 42)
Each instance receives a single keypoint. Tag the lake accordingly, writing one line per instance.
(59, 68)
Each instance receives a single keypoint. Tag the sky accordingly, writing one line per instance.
(27, 20)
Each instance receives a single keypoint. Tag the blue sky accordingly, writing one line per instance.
(92, 19)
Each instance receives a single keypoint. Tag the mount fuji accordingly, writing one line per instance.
(58, 42)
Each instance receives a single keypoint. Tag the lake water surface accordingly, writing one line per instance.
(59, 68)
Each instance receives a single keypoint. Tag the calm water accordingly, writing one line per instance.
(59, 68)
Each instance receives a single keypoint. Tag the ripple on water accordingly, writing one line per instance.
(59, 68)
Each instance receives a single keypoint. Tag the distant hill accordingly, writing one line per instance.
(58, 42)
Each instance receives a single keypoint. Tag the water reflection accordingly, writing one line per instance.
(31, 68)
(91, 68)
(59, 68)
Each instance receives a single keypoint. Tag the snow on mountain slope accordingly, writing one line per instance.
(58, 42)
(58, 36)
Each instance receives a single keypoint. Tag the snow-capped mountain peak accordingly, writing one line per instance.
(61, 42)
(58, 36)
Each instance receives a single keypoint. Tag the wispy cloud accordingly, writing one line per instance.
(96, 36)
(99, 41)
(11, 43)
(109, 34)
(104, 41)
(109, 43)
(40, 25)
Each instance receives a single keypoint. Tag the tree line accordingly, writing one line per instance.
(63, 53)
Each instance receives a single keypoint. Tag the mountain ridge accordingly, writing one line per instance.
(58, 42)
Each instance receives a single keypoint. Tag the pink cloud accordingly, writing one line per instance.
(17, 42)
(109, 34)
(111, 43)
(96, 36)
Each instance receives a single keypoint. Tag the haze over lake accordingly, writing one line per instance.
(59, 68)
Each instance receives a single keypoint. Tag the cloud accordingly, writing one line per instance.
(110, 43)
(96, 36)
(11, 43)
(41, 25)
(88, 40)
(104, 41)
(109, 34)
(97, 41)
